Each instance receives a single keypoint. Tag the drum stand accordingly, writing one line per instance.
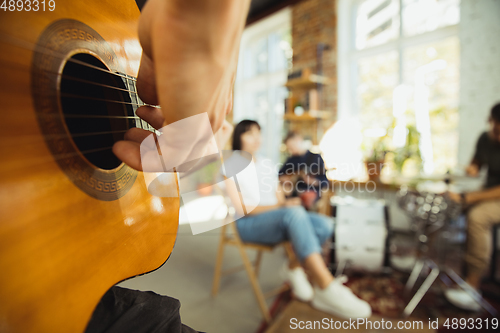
(435, 272)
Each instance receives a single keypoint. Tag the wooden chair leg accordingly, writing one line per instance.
(257, 263)
(290, 253)
(255, 284)
(218, 263)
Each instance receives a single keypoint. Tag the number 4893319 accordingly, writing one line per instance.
(28, 5)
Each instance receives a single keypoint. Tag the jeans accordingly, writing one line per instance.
(307, 231)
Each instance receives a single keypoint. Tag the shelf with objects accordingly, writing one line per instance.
(302, 107)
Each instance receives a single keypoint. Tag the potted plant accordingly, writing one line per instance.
(205, 177)
(410, 151)
(375, 159)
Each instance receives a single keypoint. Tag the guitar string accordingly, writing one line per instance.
(13, 64)
(80, 152)
(142, 124)
(31, 47)
(83, 134)
(84, 116)
(53, 53)
(98, 99)
(72, 78)
(103, 100)
(24, 45)
(103, 85)
(79, 135)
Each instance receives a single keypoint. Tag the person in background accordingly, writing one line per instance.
(484, 211)
(305, 169)
(277, 219)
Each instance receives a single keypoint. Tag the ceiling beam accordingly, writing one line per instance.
(262, 8)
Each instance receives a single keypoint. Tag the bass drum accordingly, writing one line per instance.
(361, 238)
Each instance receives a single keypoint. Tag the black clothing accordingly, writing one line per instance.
(124, 310)
(140, 3)
(312, 164)
(488, 154)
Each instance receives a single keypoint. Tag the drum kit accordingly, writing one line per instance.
(430, 214)
(361, 234)
(431, 211)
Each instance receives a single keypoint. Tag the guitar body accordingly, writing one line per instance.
(73, 220)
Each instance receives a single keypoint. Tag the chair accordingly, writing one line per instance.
(252, 269)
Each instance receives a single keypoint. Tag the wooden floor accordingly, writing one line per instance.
(299, 313)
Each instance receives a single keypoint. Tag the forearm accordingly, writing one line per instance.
(210, 28)
(488, 194)
(199, 39)
(473, 168)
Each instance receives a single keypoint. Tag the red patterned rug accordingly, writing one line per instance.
(385, 293)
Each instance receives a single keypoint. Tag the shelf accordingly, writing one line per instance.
(308, 82)
(312, 115)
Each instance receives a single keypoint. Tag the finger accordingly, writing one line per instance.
(223, 106)
(227, 126)
(129, 152)
(154, 116)
(138, 135)
(152, 161)
(223, 134)
(146, 81)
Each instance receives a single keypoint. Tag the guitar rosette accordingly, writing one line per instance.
(225, 181)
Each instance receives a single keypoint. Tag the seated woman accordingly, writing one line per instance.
(277, 219)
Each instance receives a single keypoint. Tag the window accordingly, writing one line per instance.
(265, 57)
(399, 76)
(377, 22)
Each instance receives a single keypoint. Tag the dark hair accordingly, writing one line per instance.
(495, 113)
(291, 135)
(240, 129)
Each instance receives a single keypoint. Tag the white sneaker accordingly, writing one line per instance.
(461, 299)
(301, 287)
(339, 300)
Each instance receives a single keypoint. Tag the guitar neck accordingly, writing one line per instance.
(131, 84)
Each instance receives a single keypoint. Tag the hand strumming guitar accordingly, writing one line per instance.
(188, 65)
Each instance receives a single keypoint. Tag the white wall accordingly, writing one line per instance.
(479, 70)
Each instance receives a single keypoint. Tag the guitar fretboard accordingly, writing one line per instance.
(130, 83)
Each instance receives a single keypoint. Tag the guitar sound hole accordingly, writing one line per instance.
(96, 108)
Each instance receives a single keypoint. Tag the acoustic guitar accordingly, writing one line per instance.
(74, 220)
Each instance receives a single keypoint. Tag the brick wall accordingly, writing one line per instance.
(314, 22)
